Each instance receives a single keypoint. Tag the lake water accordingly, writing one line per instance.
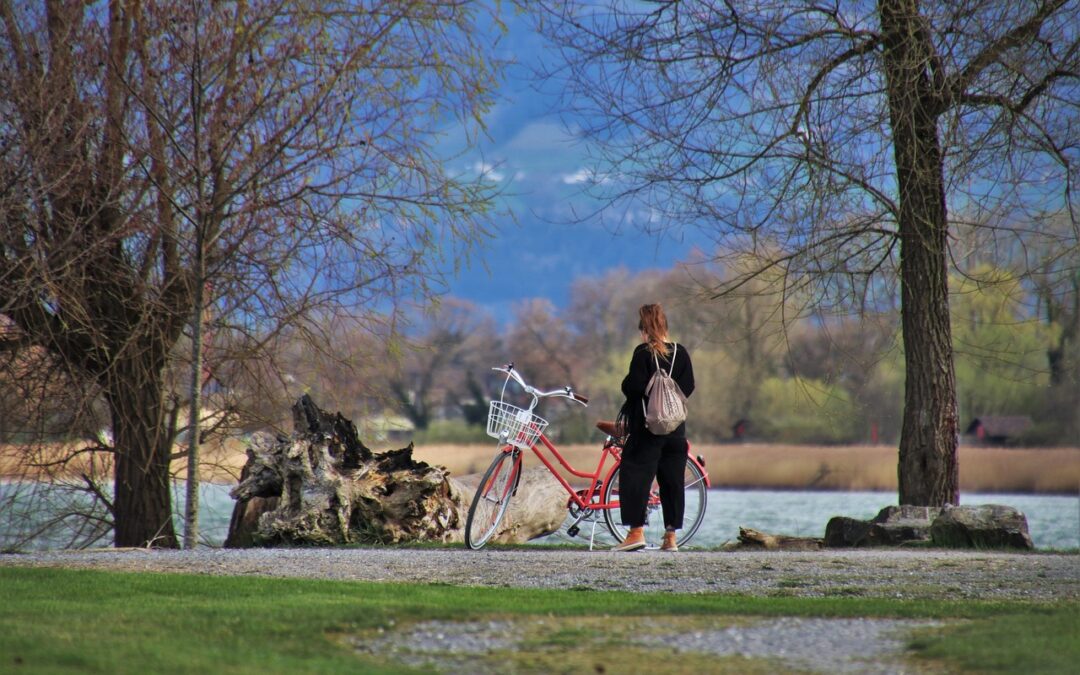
(1053, 520)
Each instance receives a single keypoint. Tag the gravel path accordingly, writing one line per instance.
(871, 573)
(857, 646)
(864, 646)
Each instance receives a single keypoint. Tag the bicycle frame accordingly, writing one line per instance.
(584, 498)
(518, 428)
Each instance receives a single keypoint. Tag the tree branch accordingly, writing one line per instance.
(958, 83)
(1019, 106)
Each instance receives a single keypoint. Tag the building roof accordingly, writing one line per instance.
(1000, 425)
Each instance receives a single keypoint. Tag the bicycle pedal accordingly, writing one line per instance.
(573, 530)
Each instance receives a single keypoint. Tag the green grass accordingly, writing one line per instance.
(54, 620)
(1036, 640)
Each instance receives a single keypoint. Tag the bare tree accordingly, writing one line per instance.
(603, 310)
(282, 159)
(828, 139)
(445, 363)
(541, 344)
(854, 355)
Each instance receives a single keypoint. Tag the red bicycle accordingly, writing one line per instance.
(519, 429)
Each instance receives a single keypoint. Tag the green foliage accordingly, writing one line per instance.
(577, 424)
(881, 399)
(451, 431)
(607, 375)
(717, 401)
(808, 411)
(832, 379)
(1001, 365)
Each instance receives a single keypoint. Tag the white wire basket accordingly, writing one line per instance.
(521, 427)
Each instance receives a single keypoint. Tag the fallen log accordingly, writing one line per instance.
(322, 486)
(750, 538)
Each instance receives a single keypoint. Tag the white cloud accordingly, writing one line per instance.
(489, 171)
(584, 175)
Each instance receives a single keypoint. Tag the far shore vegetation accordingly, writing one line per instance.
(732, 466)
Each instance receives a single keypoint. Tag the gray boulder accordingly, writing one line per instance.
(982, 526)
(892, 526)
(844, 532)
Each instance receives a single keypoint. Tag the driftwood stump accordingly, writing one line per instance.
(750, 538)
(322, 486)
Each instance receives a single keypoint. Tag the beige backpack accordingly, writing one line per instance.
(666, 407)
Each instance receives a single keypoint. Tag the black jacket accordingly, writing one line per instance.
(642, 367)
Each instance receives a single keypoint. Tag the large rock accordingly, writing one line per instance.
(985, 526)
(982, 526)
(892, 526)
(537, 509)
(845, 532)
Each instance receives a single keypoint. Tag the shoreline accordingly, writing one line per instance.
(6, 479)
(749, 466)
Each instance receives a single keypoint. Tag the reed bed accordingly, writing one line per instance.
(733, 466)
(821, 467)
(220, 462)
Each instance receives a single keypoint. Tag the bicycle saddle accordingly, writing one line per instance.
(610, 428)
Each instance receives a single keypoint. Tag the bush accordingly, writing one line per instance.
(798, 410)
(451, 431)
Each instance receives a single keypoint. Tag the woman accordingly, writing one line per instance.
(647, 456)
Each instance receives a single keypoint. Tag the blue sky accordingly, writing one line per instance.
(533, 154)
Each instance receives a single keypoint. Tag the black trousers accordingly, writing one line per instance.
(645, 457)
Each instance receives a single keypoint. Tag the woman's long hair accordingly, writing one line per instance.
(653, 321)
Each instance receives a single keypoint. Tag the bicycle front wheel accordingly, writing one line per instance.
(696, 496)
(492, 498)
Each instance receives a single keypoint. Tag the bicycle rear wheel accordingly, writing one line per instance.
(492, 498)
(696, 499)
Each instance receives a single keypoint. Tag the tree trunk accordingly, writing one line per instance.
(142, 506)
(928, 468)
(191, 497)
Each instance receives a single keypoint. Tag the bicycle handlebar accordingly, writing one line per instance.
(565, 392)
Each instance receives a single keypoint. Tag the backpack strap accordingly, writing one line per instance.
(674, 351)
(648, 387)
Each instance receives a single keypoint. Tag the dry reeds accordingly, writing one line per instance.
(818, 467)
(221, 461)
(735, 466)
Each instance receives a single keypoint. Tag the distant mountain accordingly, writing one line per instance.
(543, 170)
